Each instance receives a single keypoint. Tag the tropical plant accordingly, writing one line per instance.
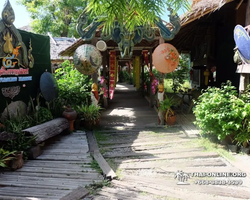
(166, 106)
(73, 86)
(132, 13)
(5, 156)
(219, 111)
(20, 143)
(58, 16)
(180, 75)
(89, 112)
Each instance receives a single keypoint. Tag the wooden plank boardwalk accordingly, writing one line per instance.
(61, 172)
(148, 159)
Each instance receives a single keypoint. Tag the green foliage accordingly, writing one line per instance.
(166, 105)
(74, 87)
(58, 16)
(56, 107)
(221, 112)
(5, 156)
(180, 75)
(38, 114)
(127, 77)
(94, 165)
(17, 124)
(133, 12)
(20, 143)
(89, 112)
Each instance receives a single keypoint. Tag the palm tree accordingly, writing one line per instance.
(132, 13)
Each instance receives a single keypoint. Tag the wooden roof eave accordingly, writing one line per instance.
(200, 12)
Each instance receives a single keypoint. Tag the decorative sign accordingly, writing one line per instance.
(112, 63)
(165, 58)
(11, 92)
(87, 59)
(15, 60)
(242, 41)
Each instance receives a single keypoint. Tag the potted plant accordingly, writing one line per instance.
(243, 139)
(5, 157)
(90, 114)
(166, 106)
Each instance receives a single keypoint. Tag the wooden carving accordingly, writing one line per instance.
(13, 52)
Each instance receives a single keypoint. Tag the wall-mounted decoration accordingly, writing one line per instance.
(48, 86)
(11, 92)
(112, 63)
(165, 58)
(242, 41)
(14, 52)
(18, 67)
(87, 59)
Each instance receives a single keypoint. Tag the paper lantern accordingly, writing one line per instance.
(165, 58)
(87, 59)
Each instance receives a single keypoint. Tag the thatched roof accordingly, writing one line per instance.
(58, 44)
(201, 8)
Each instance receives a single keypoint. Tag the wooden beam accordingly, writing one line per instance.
(94, 150)
(239, 4)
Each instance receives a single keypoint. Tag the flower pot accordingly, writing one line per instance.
(70, 115)
(170, 120)
(17, 162)
(88, 125)
(232, 148)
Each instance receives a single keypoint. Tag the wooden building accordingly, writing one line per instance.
(207, 34)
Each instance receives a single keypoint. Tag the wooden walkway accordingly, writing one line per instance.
(147, 161)
(61, 172)
(147, 157)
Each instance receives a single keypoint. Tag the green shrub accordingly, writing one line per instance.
(74, 87)
(221, 112)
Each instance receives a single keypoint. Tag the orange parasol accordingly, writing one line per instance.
(165, 58)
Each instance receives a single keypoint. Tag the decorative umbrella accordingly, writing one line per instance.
(242, 41)
(48, 86)
(165, 58)
(87, 59)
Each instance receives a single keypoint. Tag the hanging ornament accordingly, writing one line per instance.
(165, 58)
(87, 59)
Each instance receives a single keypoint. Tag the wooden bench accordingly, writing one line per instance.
(48, 129)
(45, 131)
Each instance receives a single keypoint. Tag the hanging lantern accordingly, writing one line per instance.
(87, 59)
(165, 58)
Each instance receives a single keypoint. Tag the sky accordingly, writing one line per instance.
(21, 15)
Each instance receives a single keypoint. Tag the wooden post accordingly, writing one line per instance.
(162, 94)
(104, 64)
(142, 76)
(151, 69)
